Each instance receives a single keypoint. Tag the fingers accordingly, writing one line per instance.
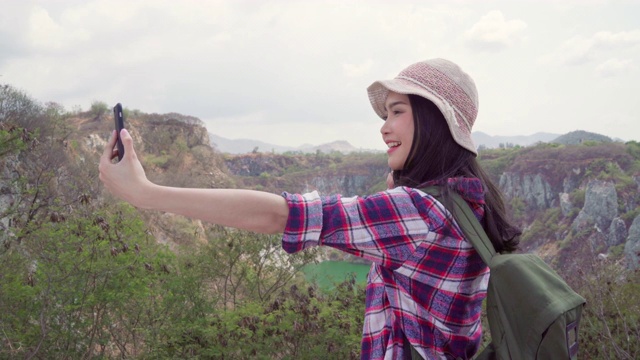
(108, 149)
(107, 153)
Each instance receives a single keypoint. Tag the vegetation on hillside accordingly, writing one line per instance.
(85, 276)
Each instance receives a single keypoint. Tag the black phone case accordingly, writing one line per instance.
(119, 119)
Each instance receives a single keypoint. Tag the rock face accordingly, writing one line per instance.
(572, 180)
(565, 204)
(532, 188)
(632, 247)
(617, 232)
(600, 206)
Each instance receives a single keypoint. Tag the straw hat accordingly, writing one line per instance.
(442, 82)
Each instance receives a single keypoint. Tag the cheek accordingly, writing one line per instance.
(409, 129)
(408, 136)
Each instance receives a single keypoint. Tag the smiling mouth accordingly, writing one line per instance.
(393, 144)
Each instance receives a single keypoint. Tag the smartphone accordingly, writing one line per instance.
(118, 115)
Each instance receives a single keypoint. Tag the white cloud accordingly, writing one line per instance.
(622, 38)
(581, 50)
(287, 71)
(614, 67)
(357, 70)
(494, 32)
(45, 33)
(575, 51)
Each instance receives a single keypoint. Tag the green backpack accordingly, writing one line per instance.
(532, 312)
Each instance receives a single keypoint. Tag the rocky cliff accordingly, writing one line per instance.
(586, 196)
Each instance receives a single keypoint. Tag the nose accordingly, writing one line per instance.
(384, 129)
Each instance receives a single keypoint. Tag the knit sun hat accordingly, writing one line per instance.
(442, 82)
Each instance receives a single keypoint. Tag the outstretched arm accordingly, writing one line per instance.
(243, 209)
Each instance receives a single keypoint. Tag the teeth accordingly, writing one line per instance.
(393, 144)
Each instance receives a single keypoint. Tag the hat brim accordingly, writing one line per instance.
(379, 90)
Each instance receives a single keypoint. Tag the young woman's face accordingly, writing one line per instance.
(397, 131)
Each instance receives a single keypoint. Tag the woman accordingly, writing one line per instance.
(427, 283)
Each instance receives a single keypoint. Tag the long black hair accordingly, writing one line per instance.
(436, 157)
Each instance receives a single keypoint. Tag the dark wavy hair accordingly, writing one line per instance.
(436, 157)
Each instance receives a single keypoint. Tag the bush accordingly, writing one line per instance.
(577, 198)
(300, 323)
(98, 109)
(90, 280)
(160, 161)
(610, 325)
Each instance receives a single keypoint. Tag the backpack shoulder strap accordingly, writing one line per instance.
(469, 224)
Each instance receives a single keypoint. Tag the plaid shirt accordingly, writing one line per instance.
(426, 283)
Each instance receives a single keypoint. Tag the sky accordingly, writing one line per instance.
(296, 72)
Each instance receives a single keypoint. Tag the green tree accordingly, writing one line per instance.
(98, 109)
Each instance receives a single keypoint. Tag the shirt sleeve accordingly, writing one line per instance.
(385, 227)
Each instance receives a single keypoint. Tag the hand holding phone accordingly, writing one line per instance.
(118, 115)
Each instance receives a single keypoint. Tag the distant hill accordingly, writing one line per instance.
(488, 141)
(579, 137)
(340, 145)
(243, 146)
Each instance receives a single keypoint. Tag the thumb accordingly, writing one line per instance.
(127, 142)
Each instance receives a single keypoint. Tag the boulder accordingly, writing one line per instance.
(565, 204)
(600, 206)
(632, 247)
(617, 232)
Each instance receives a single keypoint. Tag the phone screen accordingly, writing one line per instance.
(119, 119)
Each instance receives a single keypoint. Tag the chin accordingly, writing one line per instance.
(393, 165)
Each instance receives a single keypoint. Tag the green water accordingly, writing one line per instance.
(328, 273)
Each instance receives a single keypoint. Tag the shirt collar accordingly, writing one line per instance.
(470, 189)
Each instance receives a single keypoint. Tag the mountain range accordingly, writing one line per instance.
(243, 146)
(481, 139)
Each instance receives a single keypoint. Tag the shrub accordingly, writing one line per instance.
(98, 109)
(577, 197)
(610, 325)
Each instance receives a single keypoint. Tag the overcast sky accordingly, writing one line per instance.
(295, 72)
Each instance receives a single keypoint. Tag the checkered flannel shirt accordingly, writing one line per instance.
(426, 283)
